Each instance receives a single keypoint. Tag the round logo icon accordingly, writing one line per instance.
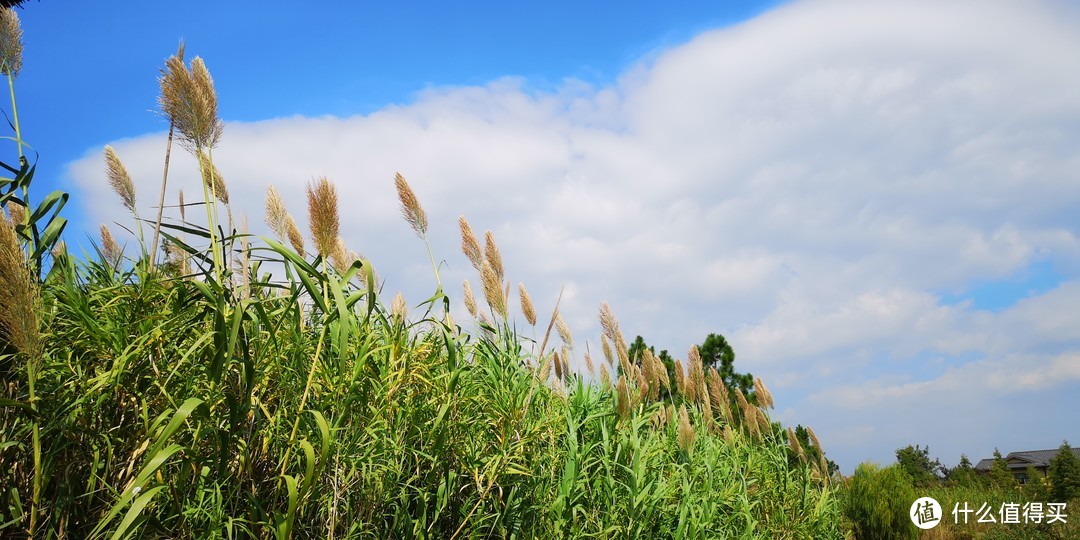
(925, 513)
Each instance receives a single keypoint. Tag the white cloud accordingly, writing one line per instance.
(808, 183)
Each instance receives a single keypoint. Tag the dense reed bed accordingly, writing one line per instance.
(199, 395)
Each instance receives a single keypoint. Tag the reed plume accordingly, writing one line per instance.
(213, 179)
(680, 377)
(398, 307)
(119, 178)
(493, 292)
(558, 365)
(686, 430)
(19, 298)
(527, 305)
(793, 441)
(564, 331)
(623, 405)
(491, 254)
(765, 398)
(813, 437)
(275, 212)
(183, 207)
(470, 300)
(695, 386)
(605, 377)
(295, 238)
(469, 245)
(410, 206)
(189, 101)
(109, 248)
(11, 45)
(16, 213)
(588, 361)
(605, 345)
(323, 214)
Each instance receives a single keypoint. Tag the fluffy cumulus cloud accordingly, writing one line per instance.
(813, 183)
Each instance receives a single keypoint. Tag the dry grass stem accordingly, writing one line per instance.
(410, 206)
(275, 212)
(119, 178)
(323, 214)
(11, 45)
(469, 244)
(527, 305)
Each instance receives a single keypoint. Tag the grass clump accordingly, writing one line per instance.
(204, 397)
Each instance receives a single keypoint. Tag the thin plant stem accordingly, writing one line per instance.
(161, 201)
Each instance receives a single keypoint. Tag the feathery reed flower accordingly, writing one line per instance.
(564, 331)
(686, 430)
(558, 365)
(183, 207)
(340, 257)
(109, 248)
(16, 213)
(527, 305)
(470, 300)
(744, 407)
(491, 254)
(588, 361)
(813, 437)
(119, 178)
(213, 179)
(622, 404)
(189, 100)
(793, 441)
(612, 331)
(605, 377)
(605, 345)
(11, 45)
(179, 258)
(323, 214)
(410, 206)
(398, 307)
(680, 377)
(493, 292)
(470, 246)
(19, 298)
(275, 212)
(765, 398)
(295, 238)
(695, 387)
(648, 370)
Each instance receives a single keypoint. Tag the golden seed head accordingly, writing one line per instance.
(410, 206)
(661, 371)
(686, 430)
(469, 245)
(813, 437)
(696, 384)
(545, 369)
(564, 330)
(728, 435)
(491, 254)
(606, 346)
(16, 213)
(109, 248)
(470, 300)
(765, 398)
(605, 377)
(213, 179)
(19, 298)
(323, 214)
(527, 305)
(680, 377)
(558, 365)
(11, 45)
(485, 320)
(793, 441)
(642, 385)
(648, 370)
(340, 256)
(493, 292)
(183, 208)
(177, 255)
(744, 406)
(762, 420)
(588, 362)
(622, 404)
(189, 100)
(119, 178)
(398, 307)
(293, 232)
(275, 212)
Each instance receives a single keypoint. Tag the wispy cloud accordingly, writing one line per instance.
(808, 183)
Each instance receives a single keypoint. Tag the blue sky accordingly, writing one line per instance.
(874, 201)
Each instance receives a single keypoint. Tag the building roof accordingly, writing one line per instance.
(1022, 460)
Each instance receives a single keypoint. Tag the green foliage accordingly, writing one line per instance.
(716, 352)
(963, 474)
(224, 402)
(916, 462)
(1000, 475)
(636, 350)
(1064, 475)
(877, 502)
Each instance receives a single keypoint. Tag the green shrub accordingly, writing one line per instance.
(877, 502)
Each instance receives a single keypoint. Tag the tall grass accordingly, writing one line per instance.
(225, 402)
